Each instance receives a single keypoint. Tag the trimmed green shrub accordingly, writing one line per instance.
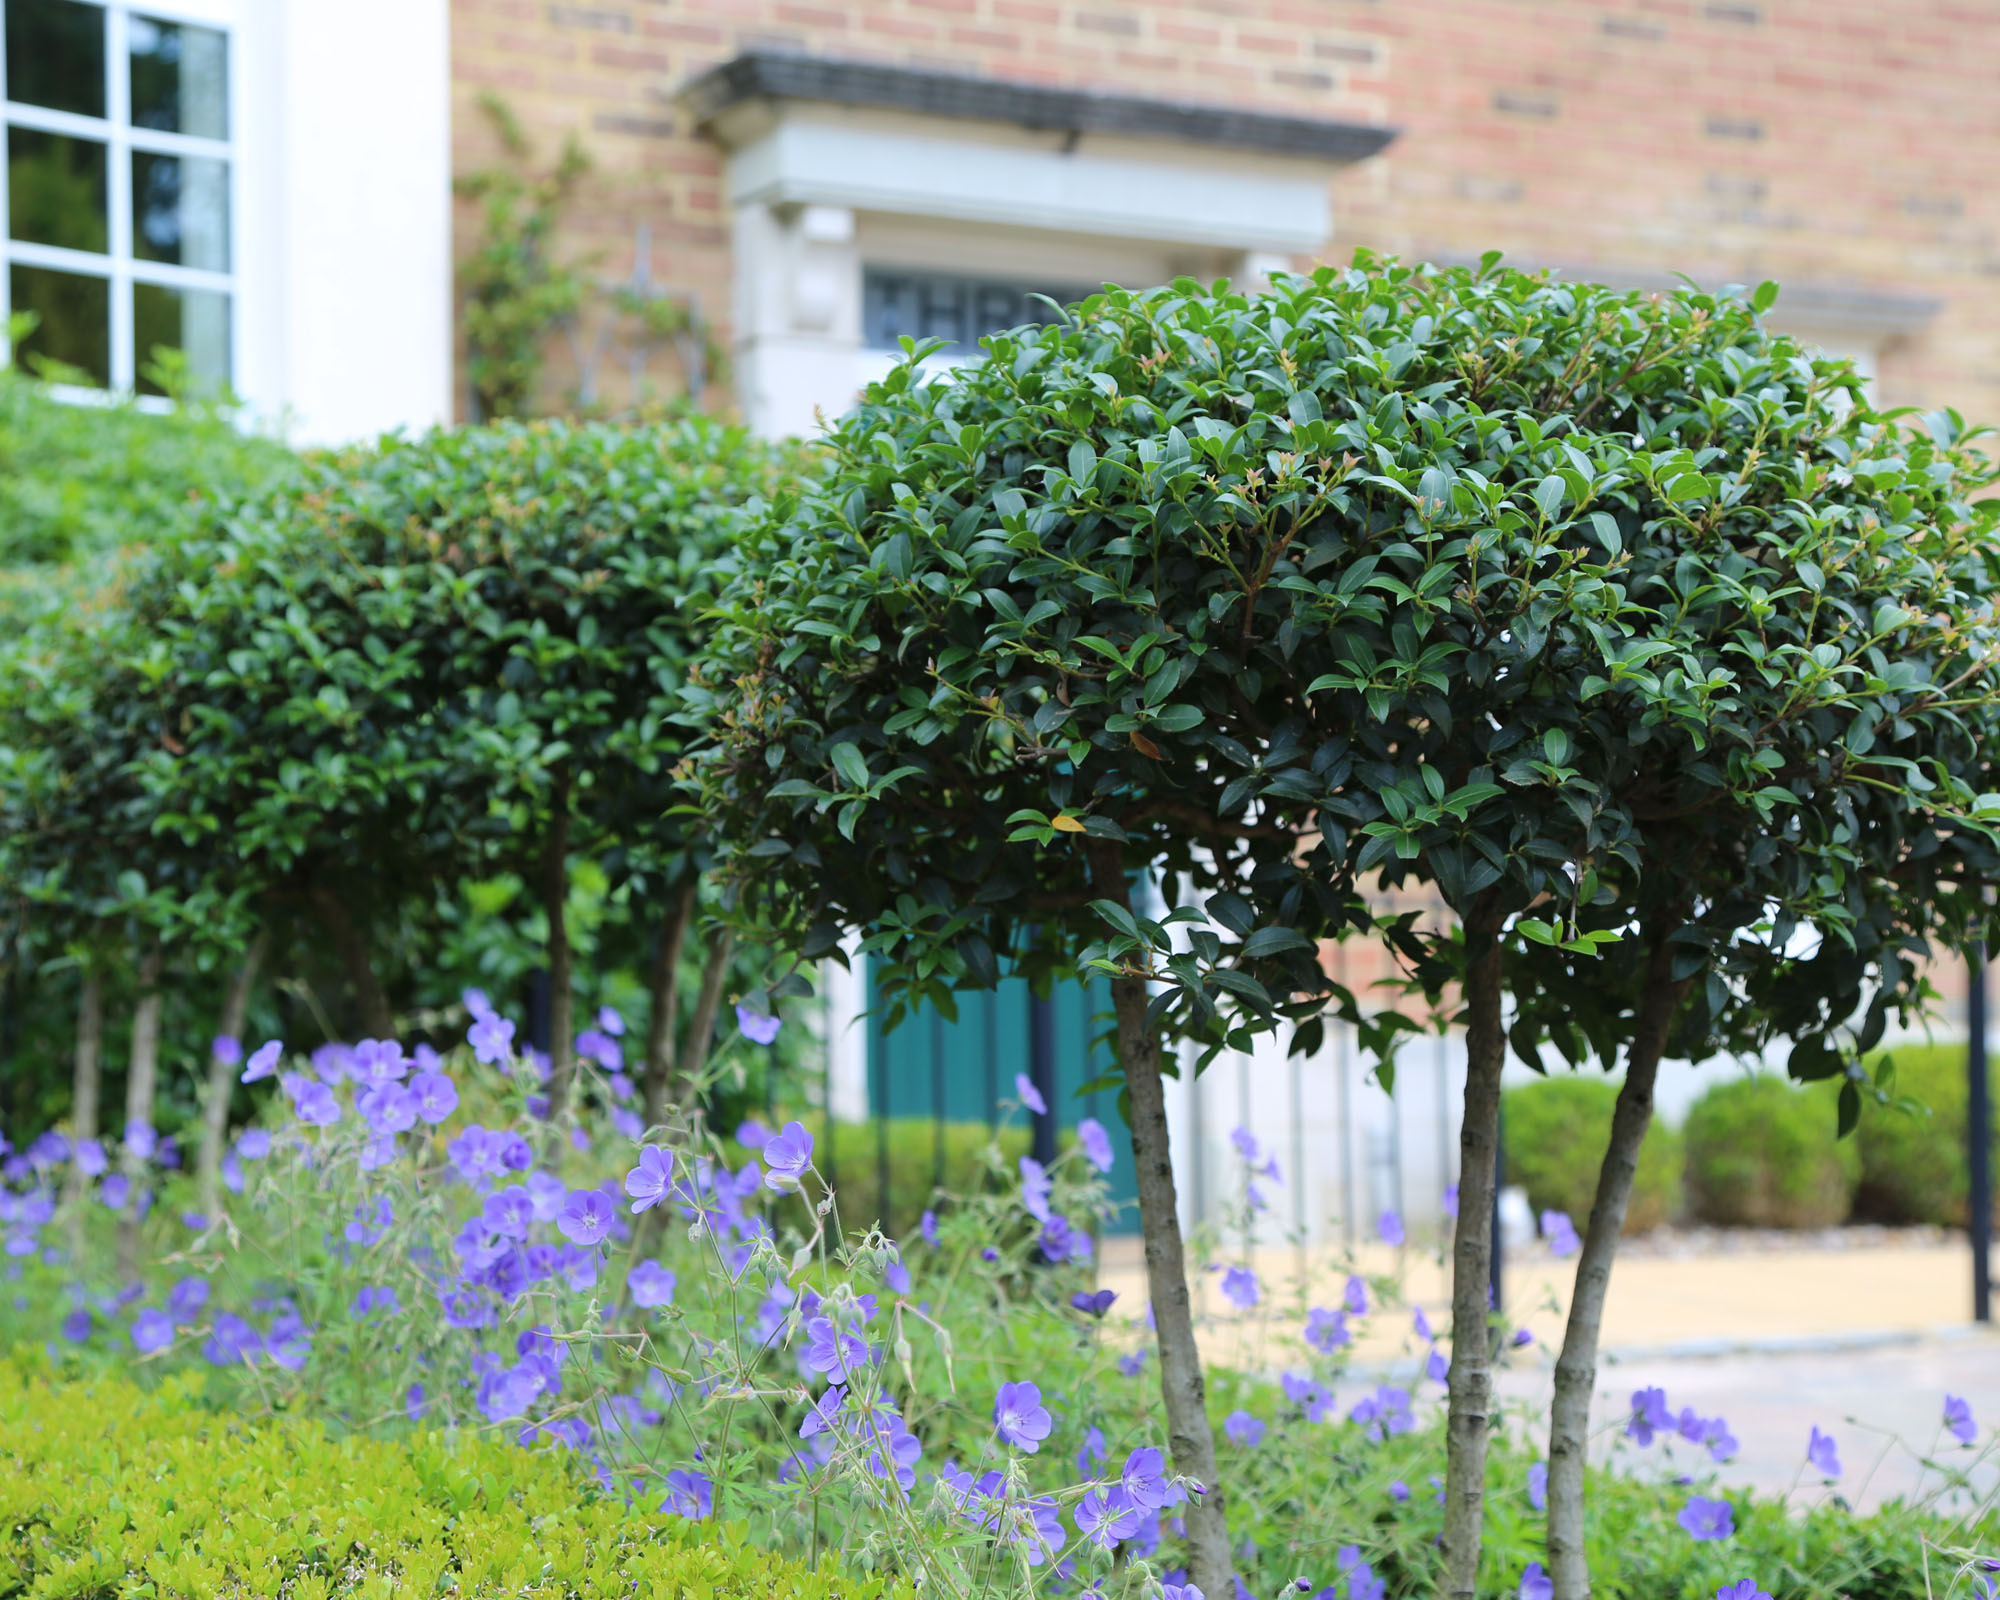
(1557, 1131)
(1913, 1158)
(107, 1488)
(1762, 1153)
(79, 482)
(912, 1148)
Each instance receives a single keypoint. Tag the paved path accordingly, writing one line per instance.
(1864, 1341)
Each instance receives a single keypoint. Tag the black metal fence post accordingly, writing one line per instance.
(1979, 1140)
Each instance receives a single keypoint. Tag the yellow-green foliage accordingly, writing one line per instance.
(107, 1489)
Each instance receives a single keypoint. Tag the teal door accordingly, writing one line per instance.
(962, 1071)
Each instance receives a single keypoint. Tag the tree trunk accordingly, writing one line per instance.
(1576, 1370)
(222, 1077)
(352, 950)
(707, 1001)
(141, 1090)
(1182, 1388)
(89, 1078)
(86, 1090)
(555, 906)
(1471, 1377)
(663, 988)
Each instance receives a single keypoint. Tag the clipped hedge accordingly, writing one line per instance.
(1557, 1130)
(1913, 1160)
(912, 1165)
(109, 1489)
(1762, 1153)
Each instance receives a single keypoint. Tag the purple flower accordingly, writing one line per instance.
(491, 1038)
(1722, 1444)
(231, 1342)
(1521, 1336)
(1538, 1486)
(1108, 1517)
(787, 1155)
(1958, 1419)
(1649, 1416)
(1181, 1591)
(76, 1326)
(436, 1096)
(1031, 1097)
(1244, 1430)
(1019, 1418)
(1706, 1519)
(1822, 1455)
(1362, 1584)
(1061, 1242)
(1399, 1491)
(752, 1134)
(839, 1353)
(91, 1160)
(897, 1277)
(1035, 1188)
(1559, 1233)
(152, 1330)
(314, 1103)
(1240, 1288)
(1451, 1200)
(378, 1061)
(652, 1180)
(254, 1144)
(1093, 1305)
(263, 1060)
(115, 1191)
(140, 1140)
(1356, 1297)
(1743, 1589)
(689, 1495)
(927, 1225)
(896, 1450)
(587, 1216)
(226, 1048)
(1391, 1228)
(1435, 1366)
(594, 1044)
(823, 1416)
(387, 1107)
(186, 1298)
(509, 1212)
(1096, 1144)
(1326, 1331)
(1144, 1478)
(477, 1006)
(1133, 1364)
(756, 1027)
(1537, 1584)
(650, 1284)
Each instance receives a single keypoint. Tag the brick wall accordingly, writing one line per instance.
(1848, 143)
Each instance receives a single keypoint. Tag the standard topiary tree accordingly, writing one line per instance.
(1243, 601)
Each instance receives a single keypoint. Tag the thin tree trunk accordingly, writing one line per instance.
(352, 950)
(1471, 1377)
(86, 1090)
(141, 1090)
(1576, 1370)
(1182, 1388)
(222, 1076)
(663, 988)
(89, 1076)
(555, 906)
(707, 1001)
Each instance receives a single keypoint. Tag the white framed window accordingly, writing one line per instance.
(122, 187)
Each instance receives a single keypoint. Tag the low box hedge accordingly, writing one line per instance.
(1763, 1152)
(109, 1489)
(1556, 1132)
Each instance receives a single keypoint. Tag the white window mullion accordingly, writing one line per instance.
(118, 102)
(6, 273)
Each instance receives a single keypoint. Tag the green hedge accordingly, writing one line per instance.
(1556, 1132)
(1913, 1162)
(78, 482)
(913, 1163)
(108, 1489)
(1762, 1152)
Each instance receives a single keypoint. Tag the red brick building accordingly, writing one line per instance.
(1843, 147)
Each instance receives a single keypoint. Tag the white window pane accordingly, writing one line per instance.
(180, 210)
(180, 78)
